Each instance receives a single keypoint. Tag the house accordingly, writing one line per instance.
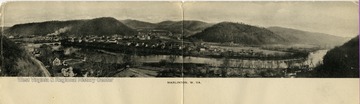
(36, 53)
(68, 72)
(147, 37)
(201, 49)
(56, 62)
(11, 37)
(111, 41)
(71, 39)
(80, 40)
(101, 40)
(56, 39)
(180, 48)
(128, 43)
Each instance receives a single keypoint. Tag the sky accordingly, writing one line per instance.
(335, 18)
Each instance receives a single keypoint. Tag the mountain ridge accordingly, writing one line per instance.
(188, 28)
(137, 24)
(306, 37)
(96, 26)
(239, 33)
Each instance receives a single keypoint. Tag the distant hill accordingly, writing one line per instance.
(175, 27)
(239, 33)
(4, 28)
(102, 26)
(136, 24)
(40, 28)
(189, 27)
(193, 27)
(97, 26)
(16, 62)
(305, 37)
(341, 61)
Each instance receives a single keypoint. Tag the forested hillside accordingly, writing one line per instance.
(341, 61)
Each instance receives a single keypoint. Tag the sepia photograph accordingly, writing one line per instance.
(204, 39)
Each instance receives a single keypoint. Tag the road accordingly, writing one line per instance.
(139, 74)
(130, 72)
(42, 67)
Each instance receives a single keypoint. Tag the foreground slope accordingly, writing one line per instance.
(341, 61)
(16, 62)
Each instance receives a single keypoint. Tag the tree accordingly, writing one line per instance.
(225, 67)
(172, 58)
(127, 59)
(46, 55)
(130, 60)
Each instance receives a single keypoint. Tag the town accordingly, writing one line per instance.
(67, 55)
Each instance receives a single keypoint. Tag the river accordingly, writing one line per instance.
(312, 60)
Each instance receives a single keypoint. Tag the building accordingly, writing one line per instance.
(11, 37)
(56, 62)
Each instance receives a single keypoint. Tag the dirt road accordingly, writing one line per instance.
(46, 73)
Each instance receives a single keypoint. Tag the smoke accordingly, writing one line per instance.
(61, 30)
